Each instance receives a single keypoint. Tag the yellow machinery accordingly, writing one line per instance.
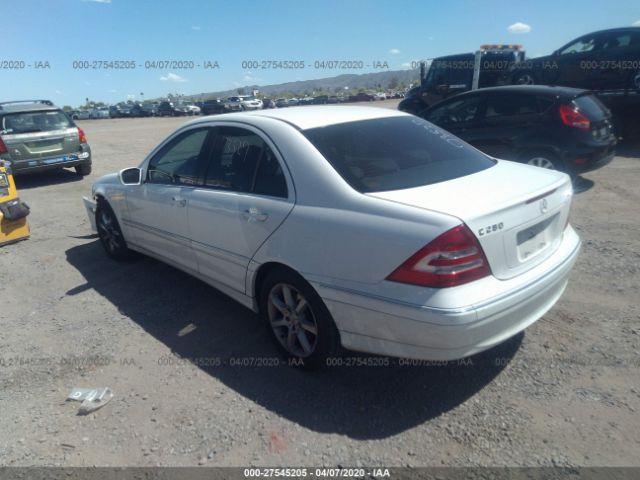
(13, 212)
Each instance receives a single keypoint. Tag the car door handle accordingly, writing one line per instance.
(254, 215)
(179, 201)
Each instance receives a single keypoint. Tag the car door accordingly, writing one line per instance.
(507, 118)
(157, 208)
(575, 65)
(247, 194)
(619, 52)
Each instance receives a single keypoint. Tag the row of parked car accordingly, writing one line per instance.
(214, 106)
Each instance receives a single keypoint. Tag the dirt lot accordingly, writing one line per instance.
(565, 393)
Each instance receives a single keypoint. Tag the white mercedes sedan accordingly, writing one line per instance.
(353, 227)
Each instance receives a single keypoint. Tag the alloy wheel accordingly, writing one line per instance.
(292, 320)
(542, 163)
(108, 231)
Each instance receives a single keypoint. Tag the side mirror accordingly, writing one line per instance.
(130, 176)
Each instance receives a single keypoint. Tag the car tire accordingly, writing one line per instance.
(83, 169)
(297, 319)
(545, 160)
(635, 81)
(110, 233)
(524, 78)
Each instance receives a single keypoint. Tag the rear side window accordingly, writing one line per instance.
(591, 107)
(511, 105)
(395, 153)
(619, 40)
(242, 162)
(31, 122)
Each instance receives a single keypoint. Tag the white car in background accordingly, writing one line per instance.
(251, 103)
(191, 109)
(243, 102)
(233, 104)
(358, 227)
(80, 115)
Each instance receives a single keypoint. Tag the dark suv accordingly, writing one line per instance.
(138, 110)
(599, 61)
(212, 106)
(36, 135)
(552, 127)
(170, 110)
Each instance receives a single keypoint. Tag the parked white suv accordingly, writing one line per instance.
(243, 102)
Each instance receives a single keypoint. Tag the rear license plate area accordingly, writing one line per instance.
(535, 239)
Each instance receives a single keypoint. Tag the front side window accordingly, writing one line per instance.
(180, 161)
(242, 162)
(586, 44)
(395, 153)
(454, 112)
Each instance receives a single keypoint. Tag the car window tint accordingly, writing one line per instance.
(544, 104)
(179, 162)
(460, 76)
(270, 177)
(395, 153)
(617, 41)
(586, 44)
(456, 111)
(510, 105)
(242, 162)
(590, 106)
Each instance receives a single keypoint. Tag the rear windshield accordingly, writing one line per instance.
(395, 153)
(29, 122)
(591, 107)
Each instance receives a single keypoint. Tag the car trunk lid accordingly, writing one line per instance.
(517, 212)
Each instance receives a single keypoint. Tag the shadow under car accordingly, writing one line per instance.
(362, 402)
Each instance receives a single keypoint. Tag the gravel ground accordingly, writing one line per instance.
(565, 393)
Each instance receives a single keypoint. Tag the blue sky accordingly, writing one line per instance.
(62, 31)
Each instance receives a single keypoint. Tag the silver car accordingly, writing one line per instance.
(365, 228)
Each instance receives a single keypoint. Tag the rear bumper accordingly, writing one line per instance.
(591, 158)
(50, 163)
(382, 326)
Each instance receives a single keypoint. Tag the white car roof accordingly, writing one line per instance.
(306, 117)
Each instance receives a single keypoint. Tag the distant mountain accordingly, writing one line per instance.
(331, 84)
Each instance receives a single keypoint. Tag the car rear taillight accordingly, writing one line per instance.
(571, 117)
(83, 137)
(3, 147)
(454, 258)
